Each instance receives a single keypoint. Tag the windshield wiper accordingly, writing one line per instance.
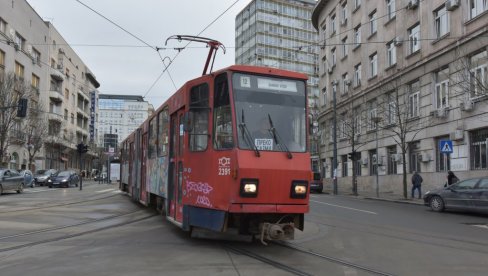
(246, 135)
(277, 138)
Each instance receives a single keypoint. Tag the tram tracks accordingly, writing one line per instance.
(80, 232)
(297, 271)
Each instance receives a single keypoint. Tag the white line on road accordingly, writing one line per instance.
(359, 210)
(103, 191)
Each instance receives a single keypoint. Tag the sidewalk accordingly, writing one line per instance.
(382, 196)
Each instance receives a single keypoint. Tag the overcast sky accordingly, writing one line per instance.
(132, 70)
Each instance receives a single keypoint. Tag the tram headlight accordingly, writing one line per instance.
(299, 189)
(249, 187)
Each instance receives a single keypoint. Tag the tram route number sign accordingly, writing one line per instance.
(445, 146)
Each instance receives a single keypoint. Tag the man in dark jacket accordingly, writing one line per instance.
(417, 183)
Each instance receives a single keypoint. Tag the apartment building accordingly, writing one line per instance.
(64, 87)
(279, 34)
(402, 70)
(119, 116)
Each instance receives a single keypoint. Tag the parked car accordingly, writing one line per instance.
(28, 178)
(11, 180)
(316, 184)
(64, 178)
(100, 177)
(467, 195)
(43, 178)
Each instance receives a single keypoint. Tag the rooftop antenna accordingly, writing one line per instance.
(214, 45)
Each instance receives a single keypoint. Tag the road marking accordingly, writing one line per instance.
(349, 208)
(480, 225)
(103, 191)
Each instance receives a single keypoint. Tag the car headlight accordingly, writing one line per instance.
(428, 192)
(249, 187)
(49, 180)
(64, 180)
(299, 189)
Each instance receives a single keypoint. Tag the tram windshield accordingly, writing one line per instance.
(272, 112)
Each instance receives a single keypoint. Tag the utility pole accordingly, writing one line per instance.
(334, 165)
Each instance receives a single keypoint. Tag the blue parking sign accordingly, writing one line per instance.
(445, 146)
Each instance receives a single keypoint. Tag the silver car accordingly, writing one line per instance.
(11, 180)
(467, 195)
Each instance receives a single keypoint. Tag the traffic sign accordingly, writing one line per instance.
(445, 146)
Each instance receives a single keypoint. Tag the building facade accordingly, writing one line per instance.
(408, 80)
(279, 33)
(63, 89)
(120, 115)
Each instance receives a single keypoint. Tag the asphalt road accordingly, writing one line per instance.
(99, 231)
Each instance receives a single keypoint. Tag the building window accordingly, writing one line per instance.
(19, 42)
(66, 114)
(414, 38)
(373, 65)
(2, 65)
(333, 56)
(163, 132)
(357, 75)
(391, 53)
(357, 36)
(441, 21)
(344, 13)
(222, 115)
(357, 122)
(415, 156)
(19, 71)
(357, 4)
(66, 93)
(373, 164)
(478, 149)
(332, 24)
(72, 118)
(443, 159)
(324, 97)
(35, 83)
(372, 114)
(477, 7)
(344, 165)
(345, 83)
(344, 47)
(442, 88)
(414, 100)
(390, 9)
(392, 160)
(3, 26)
(373, 25)
(478, 74)
(391, 109)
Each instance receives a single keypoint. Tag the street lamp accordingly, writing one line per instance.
(376, 120)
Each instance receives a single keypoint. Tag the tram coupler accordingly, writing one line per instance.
(276, 231)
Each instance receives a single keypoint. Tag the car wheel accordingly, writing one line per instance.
(21, 188)
(437, 204)
(1, 190)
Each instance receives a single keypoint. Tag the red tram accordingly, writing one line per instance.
(227, 153)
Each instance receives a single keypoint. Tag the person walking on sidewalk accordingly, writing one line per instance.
(451, 178)
(417, 184)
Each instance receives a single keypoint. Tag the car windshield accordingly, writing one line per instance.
(65, 173)
(273, 109)
(40, 171)
(49, 172)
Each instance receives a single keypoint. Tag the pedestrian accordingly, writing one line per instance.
(417, 183)
(451, 178)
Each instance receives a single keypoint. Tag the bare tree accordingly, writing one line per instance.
(36, 128)
(12, 89)
(401, 117)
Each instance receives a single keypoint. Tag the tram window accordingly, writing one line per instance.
(223, 137)
(199, 118)
(163, 132)
(152, 138)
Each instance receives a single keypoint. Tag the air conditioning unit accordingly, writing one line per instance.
(425, 157)
(343, 21)
(347, 82)
(397, 41)
(457, 135)
(364, 161)
(16, 46)
(330, 70)
(412, 4)
(452, 5)
(334, 82)
(441, 113)
(466, 105)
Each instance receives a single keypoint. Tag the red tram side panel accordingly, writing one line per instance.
(227, 152)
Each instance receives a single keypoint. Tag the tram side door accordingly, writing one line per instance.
(176, 149)
(143, 196)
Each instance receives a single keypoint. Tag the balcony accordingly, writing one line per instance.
(55, 96)
(57, 74)
(83, 112)
(54, 116)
